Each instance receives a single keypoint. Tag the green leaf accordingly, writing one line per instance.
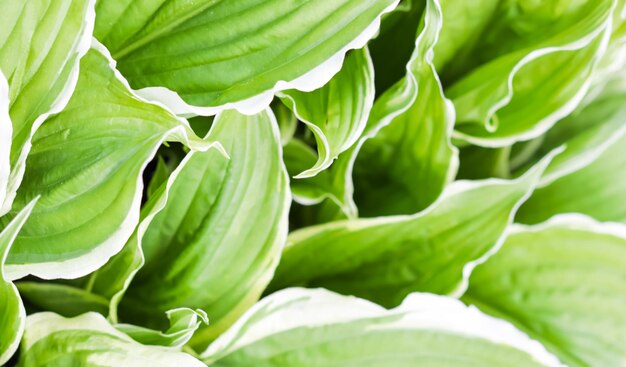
(405, 166)
(113, 279)
(248, 50)
(392, 48)
(12, 313)
(384, 259)
(41, 43)
(300, 327)
(562, 282)
(183, 324)
(526, 65)
(86, 163)
(212, 247)
(588, 177)
(287, 122)
(63, 299)
(336, 113)
(90, 341)
(6, 129)
(416, 124)
(597, 190)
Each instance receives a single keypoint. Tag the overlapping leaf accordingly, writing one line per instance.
(41, 42)
(214, 249)
(212, 54)
(511, 55)
(562, 282)
(299, 327)
(12, 313)
(404, 167)
(384, 259)
(86, 163)
(90, 341)
(336, 113)
(589, 176)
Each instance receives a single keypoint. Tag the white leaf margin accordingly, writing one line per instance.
(6, 134)
(41, 325)
(87, 263)
(82, 47)
(311, 80)
(12, 230)
(298, 307)
(326, 160)
(457, 187)
(548, 121)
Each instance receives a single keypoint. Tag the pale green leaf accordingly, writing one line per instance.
(6, 129)
(87, 163)
(12, 313)
(183, 324)
(589, 176)
(41, 43)
(384, 259)
(336, 113)
(563, 283)
(211, 247)
(524, 65)
(300, 327)
(64, 299)
(204, 56)
(90, 341)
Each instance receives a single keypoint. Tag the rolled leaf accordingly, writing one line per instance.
(515, 54)
(345, 331)
(90, 341)
(12, 313)
(336, 113)
(41, 43)
(562, 282)
(405, 166)
(211, 248)
(384, 259)
(183, 324)
(248, 50)
(86, 163)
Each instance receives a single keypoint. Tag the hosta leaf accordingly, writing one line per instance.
(392, 48)
(211, 54)
(41, 42)
(597, 190)
(113, 279)
(212, 247)
(90, 341)
(299, 327)
(6, 129)
(562, 282)
(384, 259)
(404, 167)
(64, 299)
(337, 112)
(412, 155)
(589, 177)
(12, 313)
(287, 122)
(183, 324)
(86, 163)
(520, 53)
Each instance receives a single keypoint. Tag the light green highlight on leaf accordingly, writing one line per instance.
(315, 327)
(562, 282)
